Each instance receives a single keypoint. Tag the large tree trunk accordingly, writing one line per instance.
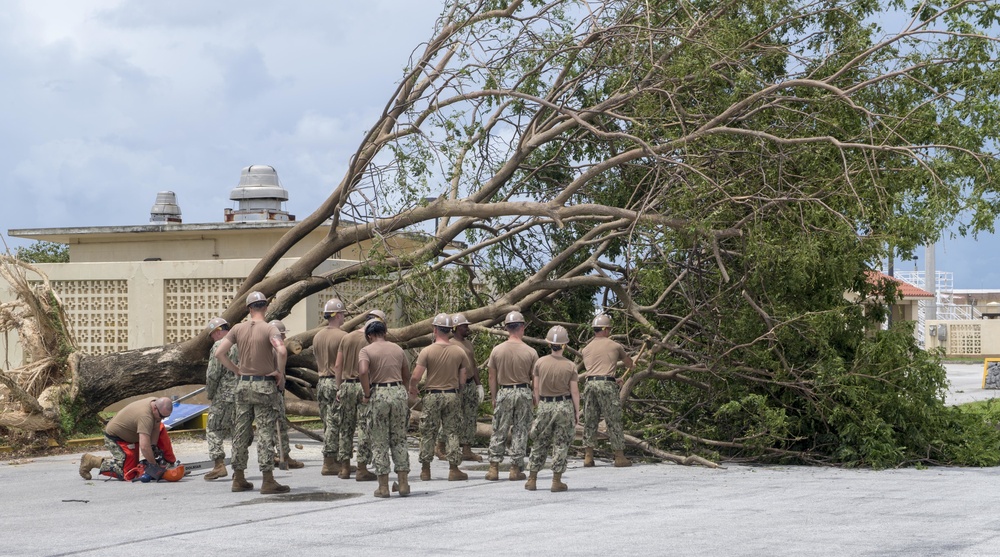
(100, 381)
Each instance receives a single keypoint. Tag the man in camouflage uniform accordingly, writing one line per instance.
(472, 394)
(283, 445)
(384, 370)
(446, 374)
(261, 379)
(354, 413)
(326, 343)
(510, 366)
(220, 388)
(601, 392)
(557, 396)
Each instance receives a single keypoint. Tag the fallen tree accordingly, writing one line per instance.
(715, 175)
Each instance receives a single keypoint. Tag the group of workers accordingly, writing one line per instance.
(366, 387)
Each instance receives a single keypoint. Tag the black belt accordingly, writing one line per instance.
(517, 386)
(327, 376)
(441, 391)
(114, 438)
(555, 398)
(601, 378)
(351, 381)
(257, 378)
(391, 384)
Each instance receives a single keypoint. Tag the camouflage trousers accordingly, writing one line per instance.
(469, 403)
(554, 427)
(388, 417)
(512, 415)
(329, 412)
(114, 466)
(600, 398)
(255, 401)
(221, 416)
(353, 419)
(440, 411)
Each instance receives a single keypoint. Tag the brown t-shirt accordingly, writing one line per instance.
(385, 362)
(601, 356)
(134, 419)
(253, 341)
(351, 346)
(554, 374)
(443, 363)
(513, 362)
(325, 346)
(471, 369)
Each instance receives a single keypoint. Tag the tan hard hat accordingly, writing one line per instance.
(459, 319)
(557, 335)
(214, 323)
(256, 297)
(602, 321)
(377, 313)
(334, 306)
(443, 320)
(279, 325)
(513, 317)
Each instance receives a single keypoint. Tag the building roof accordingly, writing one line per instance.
(905, 289)
(66, 235)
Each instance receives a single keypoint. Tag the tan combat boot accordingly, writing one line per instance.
(439, 451)
(621, 461)
(456, 475)
(468, 455)
(383, 486)
(87, 463)
(425, 471)
(494, 473)
(219, 471)
(557, 484)
(345, 469)
(403, 484)
(588, 457)
(516, 473)
(240, 483)
(292, 463)
(363, 474)
(331, 466)
(270, 487)
(532, 478)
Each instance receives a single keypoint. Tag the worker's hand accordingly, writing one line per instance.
(620, 381)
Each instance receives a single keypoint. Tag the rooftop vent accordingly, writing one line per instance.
(165, 210)
(259, 196)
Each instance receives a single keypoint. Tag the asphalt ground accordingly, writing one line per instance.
(648, 509)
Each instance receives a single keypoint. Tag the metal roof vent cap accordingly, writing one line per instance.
(259, 196)
(165, 210)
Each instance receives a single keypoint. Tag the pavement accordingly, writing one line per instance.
(648, 509)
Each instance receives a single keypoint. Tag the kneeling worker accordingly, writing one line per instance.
(134, 432)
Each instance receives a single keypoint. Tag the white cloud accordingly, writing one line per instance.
(114, 100)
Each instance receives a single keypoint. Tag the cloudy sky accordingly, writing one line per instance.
(106, 102)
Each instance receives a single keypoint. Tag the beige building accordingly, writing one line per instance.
(130, 287)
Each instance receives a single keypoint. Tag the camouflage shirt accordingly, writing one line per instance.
(220, 383)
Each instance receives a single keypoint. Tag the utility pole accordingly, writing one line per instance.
(930, 282)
